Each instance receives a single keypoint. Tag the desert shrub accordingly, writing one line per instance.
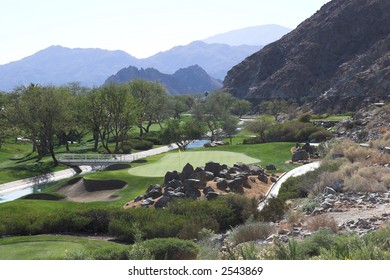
(305, 118)
(301, 250)
(386, 180)
(273, 210)
(228, 211)
(294, 216)
(304, 134)
(357, 183)
(194, 225)
(171, 249)
(322, 221)
(321, 135)
(153, 223)
(250, 231)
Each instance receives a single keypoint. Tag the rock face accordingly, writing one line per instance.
(188, 80)
(339, 59)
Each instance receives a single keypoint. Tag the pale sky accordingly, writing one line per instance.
(139, 27)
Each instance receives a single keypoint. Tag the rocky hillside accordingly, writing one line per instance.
(339, 59)
(190, 80)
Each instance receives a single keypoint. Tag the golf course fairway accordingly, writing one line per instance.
(177, 160)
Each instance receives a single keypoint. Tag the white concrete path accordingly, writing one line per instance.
(274, 190)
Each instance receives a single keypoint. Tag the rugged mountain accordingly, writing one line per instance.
(339, 58)
(260, 35)
(190, 80)
(59, 65)
(216, 59)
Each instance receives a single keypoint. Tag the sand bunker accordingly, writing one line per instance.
(83, 190)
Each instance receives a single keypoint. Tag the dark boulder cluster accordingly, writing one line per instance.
(207, 182)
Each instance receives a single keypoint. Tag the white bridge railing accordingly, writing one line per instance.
(96, 158)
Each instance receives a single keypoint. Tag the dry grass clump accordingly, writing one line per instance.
(294, 216)
(322, 221)
(251, 231)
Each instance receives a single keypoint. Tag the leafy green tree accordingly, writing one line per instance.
(260, 125)
(229, 126)
(117, 115)
(213, 111)
(181, 133)
(152, 101)
(41, 112)
(179, 104)
(241, 107)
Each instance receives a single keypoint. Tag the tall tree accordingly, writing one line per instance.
(41, 112)
(181, 133)
(260, 125)
(241, 107)
(213, 111)
(117, 115)
(152, 101)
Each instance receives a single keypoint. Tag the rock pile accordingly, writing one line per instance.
(207, 182)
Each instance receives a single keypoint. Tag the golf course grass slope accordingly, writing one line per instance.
(177, 160)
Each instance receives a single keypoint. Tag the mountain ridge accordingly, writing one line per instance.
(322, 60)
(189, 80)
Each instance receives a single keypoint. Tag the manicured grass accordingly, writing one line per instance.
(176, 161)
(277, 153)
(48, 247)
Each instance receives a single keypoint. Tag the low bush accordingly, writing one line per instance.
(171, 249)
(250, 231)
(274, 210)
(322, 221)
(141, 145)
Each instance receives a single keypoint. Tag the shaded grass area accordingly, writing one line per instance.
(49, 247)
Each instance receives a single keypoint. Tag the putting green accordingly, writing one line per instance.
(176, 161)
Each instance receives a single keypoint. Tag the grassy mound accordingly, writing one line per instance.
(176, 161)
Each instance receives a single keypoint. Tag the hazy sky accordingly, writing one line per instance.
(139, 27)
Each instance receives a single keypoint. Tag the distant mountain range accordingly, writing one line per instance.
(188, 80)
(59, 65)
(339, 59)
(254, 36)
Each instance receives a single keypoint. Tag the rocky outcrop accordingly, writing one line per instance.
(208, 182)
(339, 59)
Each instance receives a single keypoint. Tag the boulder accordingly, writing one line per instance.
(171, 175)
(154, 193)
(245, 183)
(207, 189)
(222, 184)
(201, 176)
(242, 166)
(147, 202)
(273, 179)
(263, 178)
(255, 170)
(236, 185)
(187, 171)
(174, 184)
(191, 192)
(213, 167)
(194, 183)
(300, 155)
(163, 202)
(271, 167)
(211, 195)
(139, 198)
(175, 194)
(209, 175)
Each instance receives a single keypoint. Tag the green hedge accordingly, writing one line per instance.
(171, 249)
